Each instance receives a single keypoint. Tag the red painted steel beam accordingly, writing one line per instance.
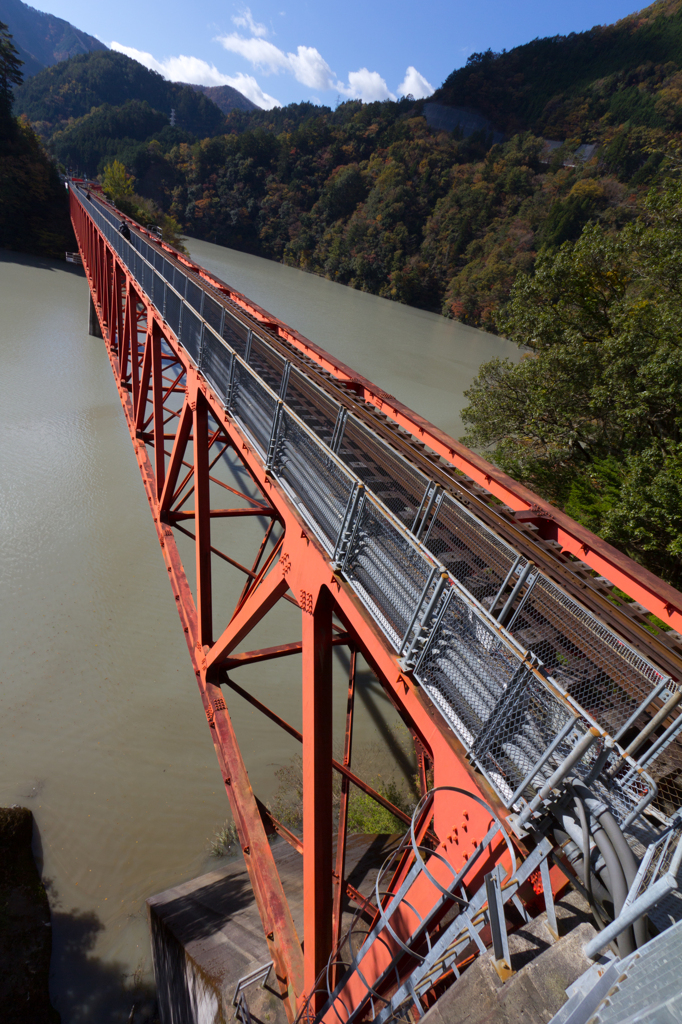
(317, 791)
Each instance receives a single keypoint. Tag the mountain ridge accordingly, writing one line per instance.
(43, 39)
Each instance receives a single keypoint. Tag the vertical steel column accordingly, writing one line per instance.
(202, 518)
(340, 870)
(157, 404)
(317, 789)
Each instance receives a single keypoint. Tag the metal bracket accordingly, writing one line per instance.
(348, 526)
(431, 494)
(247, 350)
(498, 928)
(526, 595)
(274, 435)
(284, 383)
(339, 427)
(423, 633)
(230, 383)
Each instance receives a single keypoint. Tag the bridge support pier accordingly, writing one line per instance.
(94, 329)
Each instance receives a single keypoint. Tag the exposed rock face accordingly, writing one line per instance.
(25, 932)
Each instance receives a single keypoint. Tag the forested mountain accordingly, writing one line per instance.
(582, 83)
(34, 208)
(225, 97)
(72, 88)
(42, 39)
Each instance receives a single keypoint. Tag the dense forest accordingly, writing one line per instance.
(566, 236)
(34, 208)
(52, 99)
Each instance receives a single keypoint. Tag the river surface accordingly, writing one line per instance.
(102, 733)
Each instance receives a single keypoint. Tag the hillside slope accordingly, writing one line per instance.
(43, 39)
(225, 97)
(72, 88)
(580, 84)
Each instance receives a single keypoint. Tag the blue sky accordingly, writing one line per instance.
(283, 51)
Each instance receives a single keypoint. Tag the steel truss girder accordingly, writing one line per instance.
(302, 574)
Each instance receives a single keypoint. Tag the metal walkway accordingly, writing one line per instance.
(520, 678)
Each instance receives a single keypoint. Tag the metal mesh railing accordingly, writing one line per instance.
(318, 484)
(269, 365)
(253, 405)
(399, 485)
(312, 405)
(194, 295)
(173, 310)
(212, 313)
(216, 363)
(190, 333)
(471, 553)
(388, 568)
(235, 334)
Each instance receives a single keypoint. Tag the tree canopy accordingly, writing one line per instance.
(591, 415)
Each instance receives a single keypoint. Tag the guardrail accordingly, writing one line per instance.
(520, 671)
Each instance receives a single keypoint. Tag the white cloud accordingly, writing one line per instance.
(259, 52)
(245, 20)
(309, 67)
(415, 85)
(199, 72)
(365, 85)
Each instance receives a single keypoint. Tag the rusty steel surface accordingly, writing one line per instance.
(189, 447)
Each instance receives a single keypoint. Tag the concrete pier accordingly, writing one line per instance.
(206, 934)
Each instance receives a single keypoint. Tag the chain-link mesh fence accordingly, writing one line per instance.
(388, 568)
(216, 363)
(387, 474)
(253, 406)
(312, 405)
(473, 554)
(320, 487)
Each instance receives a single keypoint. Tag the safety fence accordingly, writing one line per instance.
(526, 677)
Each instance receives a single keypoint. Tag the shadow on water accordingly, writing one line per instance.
(84, 989)
(23, 259)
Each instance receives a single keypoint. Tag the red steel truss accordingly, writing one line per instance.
(183, 436)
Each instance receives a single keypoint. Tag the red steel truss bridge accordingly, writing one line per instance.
(525, 656)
